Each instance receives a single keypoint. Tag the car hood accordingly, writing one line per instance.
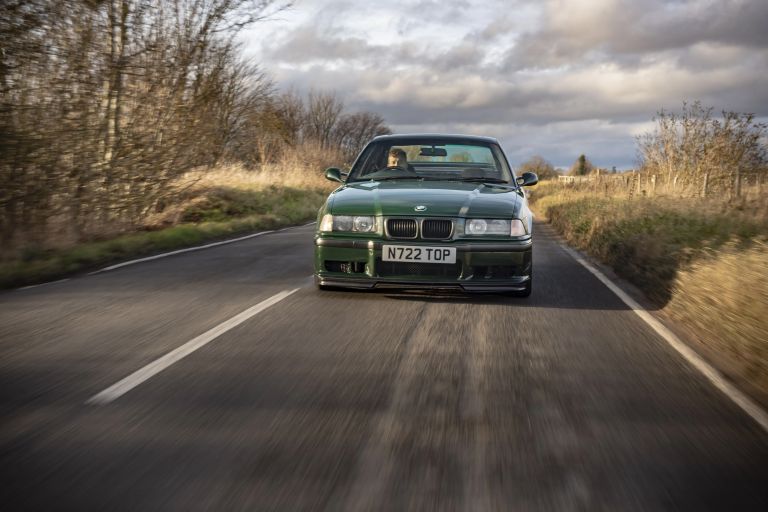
(441, 199)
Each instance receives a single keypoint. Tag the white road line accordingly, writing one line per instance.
(122, 387)
(188, 249)
(299, 226)
(42, 284)
(739, 398)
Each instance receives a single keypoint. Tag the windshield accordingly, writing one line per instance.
(431, 159)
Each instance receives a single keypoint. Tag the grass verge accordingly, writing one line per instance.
(701, 262)
(219, 206)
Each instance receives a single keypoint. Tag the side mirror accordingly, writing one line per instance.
(527, 179)
(334, 174)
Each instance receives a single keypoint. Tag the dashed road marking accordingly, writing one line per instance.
(117, 390)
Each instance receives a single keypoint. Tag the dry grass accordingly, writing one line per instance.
(290, 173)
(724, 298)
(702, 261)
(231, 191)
(207, 204)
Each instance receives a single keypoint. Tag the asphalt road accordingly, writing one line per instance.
(356, 401)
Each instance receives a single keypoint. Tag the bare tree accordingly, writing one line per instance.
(293, 114)
(323, 112)
(695, 152)
(353, 131)
(104, 102)
(538, 164)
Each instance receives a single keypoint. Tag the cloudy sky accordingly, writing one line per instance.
(550, 77)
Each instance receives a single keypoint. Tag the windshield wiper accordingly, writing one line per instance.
(485, 180)
(406, 177)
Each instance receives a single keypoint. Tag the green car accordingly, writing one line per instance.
(427, 212)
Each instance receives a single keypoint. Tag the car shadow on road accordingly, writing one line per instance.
(534, 301)
(544, 298)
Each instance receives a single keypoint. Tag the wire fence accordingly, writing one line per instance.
(634, 183)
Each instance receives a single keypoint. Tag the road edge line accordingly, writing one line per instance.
(148, 371)
(29, 287)
(178, 251)
(745, 403)
(163, 255)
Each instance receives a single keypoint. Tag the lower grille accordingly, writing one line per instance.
(401, 228)
(438, 229)
(496, 272)
(347, 267)
(399, 268)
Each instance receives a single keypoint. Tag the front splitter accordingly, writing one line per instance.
(361, 284)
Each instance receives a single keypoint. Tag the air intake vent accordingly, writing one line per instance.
(397, 268)
(401, 228)
(438, 229)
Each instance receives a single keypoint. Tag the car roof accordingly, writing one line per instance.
(447, 137)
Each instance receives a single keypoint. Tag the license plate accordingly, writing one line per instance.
(418, 254)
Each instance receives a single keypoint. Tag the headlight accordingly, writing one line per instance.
(342, 223)
(494, 227)
(476, 227)
(347, 223)
(487, 227)
(363, 224)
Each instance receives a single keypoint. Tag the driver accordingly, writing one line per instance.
(397, 158)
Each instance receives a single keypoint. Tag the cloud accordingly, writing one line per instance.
(309, 43)
(605, 29)
(326, 43)
(599, 91)
(553, 77)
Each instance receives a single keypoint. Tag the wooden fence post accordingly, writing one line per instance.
(706, 184)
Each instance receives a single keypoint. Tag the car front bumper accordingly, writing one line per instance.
(481, 266)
